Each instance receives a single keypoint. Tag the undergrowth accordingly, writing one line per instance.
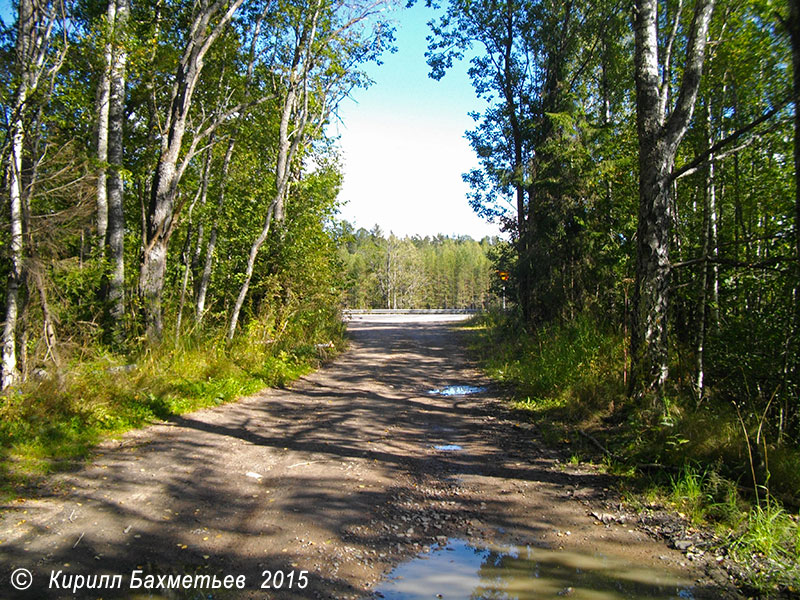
(568, 378)
(52, 425)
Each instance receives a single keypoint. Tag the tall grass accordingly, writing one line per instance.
(52, 425)
(568, 376)
(575, 367)
(689, 492)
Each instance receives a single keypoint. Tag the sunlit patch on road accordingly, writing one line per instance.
(458, 390)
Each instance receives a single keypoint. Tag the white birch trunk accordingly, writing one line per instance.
(288, 143)
(248, 275)
(702, 303)
(659, 136)
(34, 27)
(116, 216)
(102, 107)
(162, 214)
(10, 372)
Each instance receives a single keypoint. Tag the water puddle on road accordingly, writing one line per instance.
(459, 571)
(458, 390)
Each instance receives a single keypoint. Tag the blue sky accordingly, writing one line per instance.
(403, 143)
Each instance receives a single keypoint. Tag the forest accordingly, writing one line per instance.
(415, 272)
(168, 170)
(169, 235)
(650, 175)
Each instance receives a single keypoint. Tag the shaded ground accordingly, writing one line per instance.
(338, 476)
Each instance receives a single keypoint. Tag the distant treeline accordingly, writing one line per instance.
(416, 272)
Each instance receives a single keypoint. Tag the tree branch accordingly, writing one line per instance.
(711, 158)
(769, 263)
(701, 158)
(194, 150)
(678, 121)
(664, 91)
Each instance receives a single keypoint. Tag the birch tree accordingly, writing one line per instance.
(102, 107)
(294, 113)
(115, 185)
(321, 44)
(204, 278)
(660, 129)
(208, 23)
(110, 108)
(35, 23)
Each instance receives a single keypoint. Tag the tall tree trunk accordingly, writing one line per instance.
(294, 112)
(713, 242)
(794, 34)
(205, 278)
(524, 217)
(707, 316)
(34, 28)
(200, 196)
(702, 300)
(162, 213)
(15, 274)
(202, 282)
(248, 275)
(649, 323)
(659, 136)
(102, 108)
(116, 216)
(283, 158)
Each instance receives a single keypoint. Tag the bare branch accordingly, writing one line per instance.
(768, 264)
(195, 148)
(713, 158)
(703, 157)
(678, 121)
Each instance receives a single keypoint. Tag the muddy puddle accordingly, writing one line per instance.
(458, 390)
(459, 571)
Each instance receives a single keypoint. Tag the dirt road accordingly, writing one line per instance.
(331, 482)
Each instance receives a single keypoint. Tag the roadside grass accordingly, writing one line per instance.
(770, 541)
(52, 425)
(568, 379)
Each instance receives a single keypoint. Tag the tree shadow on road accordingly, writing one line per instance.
(339, 476)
